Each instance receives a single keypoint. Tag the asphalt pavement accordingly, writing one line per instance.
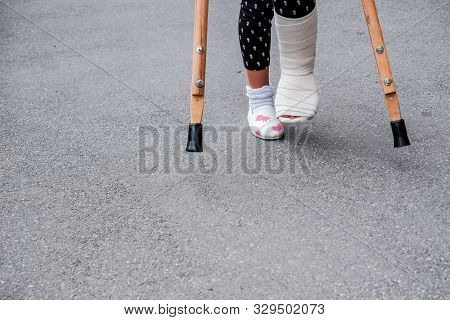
(99, 200)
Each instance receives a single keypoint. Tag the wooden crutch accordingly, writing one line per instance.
(384, 69)
(195, 137)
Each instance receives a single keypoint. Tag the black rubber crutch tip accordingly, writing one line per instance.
(195, 138)
(400, 134)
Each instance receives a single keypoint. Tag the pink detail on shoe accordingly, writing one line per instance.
(262, 118)
(258, 133)
(278, 128)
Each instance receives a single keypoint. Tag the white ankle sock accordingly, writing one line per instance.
(297, 90)
(261, 114)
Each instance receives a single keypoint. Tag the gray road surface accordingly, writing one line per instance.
(89, 89)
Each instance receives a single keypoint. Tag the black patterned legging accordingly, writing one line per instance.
(255, 25)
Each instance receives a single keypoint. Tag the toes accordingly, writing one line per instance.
(290, 117)
(287, 120)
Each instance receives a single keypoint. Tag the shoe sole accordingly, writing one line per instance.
(262, 138)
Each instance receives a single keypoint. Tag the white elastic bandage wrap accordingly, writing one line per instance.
(297, 90)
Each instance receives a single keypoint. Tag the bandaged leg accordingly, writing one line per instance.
(297, 97)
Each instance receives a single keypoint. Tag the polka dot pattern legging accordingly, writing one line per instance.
(255, 25)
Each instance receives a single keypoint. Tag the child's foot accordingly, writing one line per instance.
(261, 114)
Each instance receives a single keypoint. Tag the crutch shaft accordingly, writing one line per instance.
(195, 135)
(381, 58)
(199, 60)
(386, 76)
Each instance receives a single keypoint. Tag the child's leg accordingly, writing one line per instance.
(258, 79)
(296, 22)
(255, 23)
(294, 9)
